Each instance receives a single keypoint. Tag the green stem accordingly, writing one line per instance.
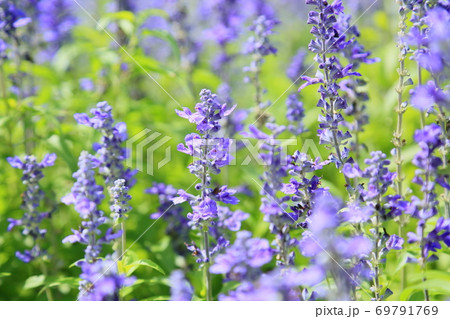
(48, 291)
(123, 240)
(397, 140)
(207, 274)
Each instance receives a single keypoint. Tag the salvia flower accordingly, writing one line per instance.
(177, 224)
(31, 200)
(55, 20)
(110, 151)
(180, 288)
(302, 188)
(373, 204)
(243, 260)
(351, 87)
(120, 206)
(331, 251)
(101, 280)
(297, 66)
(257, 47)
(427, 176)
(11, 17)
(273, 207)
(295, 114)
(210, 154)
(329, 40)
(86, 196)
(277, 285)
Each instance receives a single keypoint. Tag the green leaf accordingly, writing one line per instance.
(34, 282)
(116, 16)
(434, 287)
(4, 274)
(144, 262)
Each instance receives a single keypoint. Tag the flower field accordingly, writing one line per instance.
(224, 150)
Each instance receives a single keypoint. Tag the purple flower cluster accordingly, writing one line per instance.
(243, 260)
(295, 114)
(86, 196)
(210, 154)
(180, 288)
(277, 285)
(329, 40)
(272, 206)
(258, 46)
(297, 66)
(110, 152)
(343, 257)
(351, 87)
(427, 176)
(177, 225)
(120, 199)
(31, 200)
(373, 204)
(301, 188)
(55, 21)
(101, 280)
(12, 18)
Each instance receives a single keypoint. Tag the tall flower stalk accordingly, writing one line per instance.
(258, 46)
(211, 154)
(110, 155)
(433, 97)
(31, 221)
(329, 40)
(400, 109)
(375, 206)
(427, 176)
(352, 87)
(86, 195)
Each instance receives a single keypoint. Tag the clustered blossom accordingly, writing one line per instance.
(374, 205)
(301, 188)
(427, 176)
(273, 207)
(295, 114)
(12, 18)
(110, 152)
(351, 87)
(101, 280)
(329, 40)
(243, 260)
(429, 36)
(211, 154)
(120, 199)
(31, 200)
(297, 66)
(344, 257)
(86, 196)
(258, 46)
(277, 285)
(177, 224)
(295, 110)
(56, 21)
(180, 288)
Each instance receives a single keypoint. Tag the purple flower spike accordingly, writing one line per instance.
(32, 198)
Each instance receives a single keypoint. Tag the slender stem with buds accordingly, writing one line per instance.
(205, 232)
(397, 140)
